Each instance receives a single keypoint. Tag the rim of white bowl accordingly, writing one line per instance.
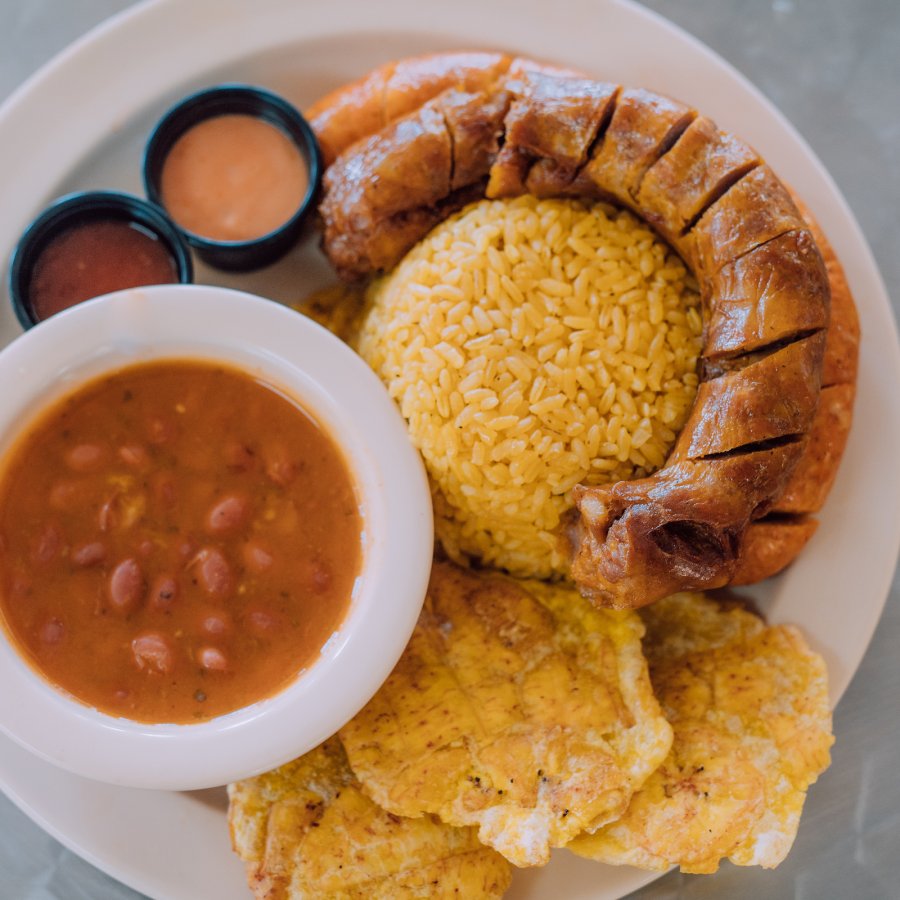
(291, 351)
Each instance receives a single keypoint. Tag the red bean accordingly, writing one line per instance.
(48, 545)
(280, 466)
(20, 586)
(161, 430)
(213, 659)
(256, 558)
(262, 622)
(52, 632)
(127, 586)
(163, 593)
(239, 456)
(214, 572)
(134, 455)
(153, 651)
(319, 576)
(227, 514)
(85, 457)
(165, 490)
(186, 549)
(108, 517)
(89, 554)
(63, 495)
(216, 624)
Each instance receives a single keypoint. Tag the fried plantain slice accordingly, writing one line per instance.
(337, 307)
(749, 705)
(306, 830)
(516, 707)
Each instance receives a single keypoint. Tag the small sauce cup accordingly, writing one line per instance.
(186, 137)
(91, 243)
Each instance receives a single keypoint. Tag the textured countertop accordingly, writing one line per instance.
(833, 68)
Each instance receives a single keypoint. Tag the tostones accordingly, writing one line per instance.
(517, 708)
(749, 707)
(307, 832)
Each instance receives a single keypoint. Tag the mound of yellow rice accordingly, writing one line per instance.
(532, 345)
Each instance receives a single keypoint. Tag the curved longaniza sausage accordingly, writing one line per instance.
(417, 139)
(772, 542)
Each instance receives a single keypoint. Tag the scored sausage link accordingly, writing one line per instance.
(770, 545)
(361, 109)
(811, 481)
(475, 125)
(416, 80)
(812, 478)
(842, 345)
(773, 397)
(753, 211)
(769, 295)
(633, 542)
(764, 286)
(702, 164)
(373, 192)
(350, 113)
(643, 126)
(550, 127)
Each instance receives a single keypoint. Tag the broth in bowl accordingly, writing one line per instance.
(180, 541)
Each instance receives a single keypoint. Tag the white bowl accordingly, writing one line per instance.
(325, 376)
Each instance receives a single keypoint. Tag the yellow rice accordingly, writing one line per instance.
(532, 345)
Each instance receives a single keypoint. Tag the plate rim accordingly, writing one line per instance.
(880, 304)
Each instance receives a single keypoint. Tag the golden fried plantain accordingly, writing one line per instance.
(307, 831)
(749, 706)
(337, 307)
(516, 707)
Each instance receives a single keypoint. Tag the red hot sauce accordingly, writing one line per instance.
(94, 258)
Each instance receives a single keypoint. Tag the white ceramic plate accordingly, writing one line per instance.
(81, 123)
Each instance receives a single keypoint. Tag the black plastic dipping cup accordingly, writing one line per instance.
(236, 99)
(80, 209)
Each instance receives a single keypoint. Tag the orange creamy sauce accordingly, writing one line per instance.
(233, 178)
(177, 541)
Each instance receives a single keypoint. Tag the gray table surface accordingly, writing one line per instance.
(833, 67)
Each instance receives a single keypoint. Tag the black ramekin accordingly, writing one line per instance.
(76, 209)
(228, 99)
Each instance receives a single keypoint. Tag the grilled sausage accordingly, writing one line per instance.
(774, 541)
(363, 108)
(764, 287)
(769, 545)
